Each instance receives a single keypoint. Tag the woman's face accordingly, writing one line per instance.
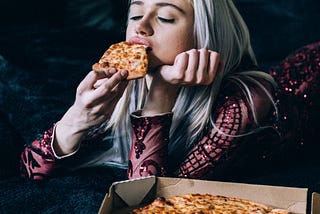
(166, 26)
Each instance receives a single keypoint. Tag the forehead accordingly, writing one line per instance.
(183, 6)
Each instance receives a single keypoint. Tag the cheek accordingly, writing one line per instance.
(130, 31)
(176, 45)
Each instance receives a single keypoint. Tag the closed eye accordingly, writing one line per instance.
(164, 20)
(136, 18)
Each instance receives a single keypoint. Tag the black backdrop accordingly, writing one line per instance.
(277, 26)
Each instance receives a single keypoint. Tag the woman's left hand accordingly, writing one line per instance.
(194, 67)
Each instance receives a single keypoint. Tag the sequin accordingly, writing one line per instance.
(299, 79)
(140, 130)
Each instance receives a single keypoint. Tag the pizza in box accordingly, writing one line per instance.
(206, 204)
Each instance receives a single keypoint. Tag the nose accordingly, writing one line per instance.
(144, 27)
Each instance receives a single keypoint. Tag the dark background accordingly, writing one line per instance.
(47, 47)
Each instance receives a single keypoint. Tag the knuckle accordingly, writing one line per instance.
(94, 74)
(203, 50)
(180, 75)
(194, 51)
(79, 90)
(215, 55)
(96, 111)
(106, 88)
(199, 81)
(87, 104)
(190, 79)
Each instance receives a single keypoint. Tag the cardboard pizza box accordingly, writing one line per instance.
(123, 196)
(315, 205)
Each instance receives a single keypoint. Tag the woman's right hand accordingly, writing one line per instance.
(96, 98)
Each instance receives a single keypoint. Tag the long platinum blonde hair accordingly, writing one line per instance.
(218, 26)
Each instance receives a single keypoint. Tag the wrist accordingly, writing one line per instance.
(69, 132)
(76, 119)
(66, 139)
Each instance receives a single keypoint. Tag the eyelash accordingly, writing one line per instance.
(164, 20)
(135, 18)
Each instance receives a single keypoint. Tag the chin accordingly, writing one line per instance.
(155, 63)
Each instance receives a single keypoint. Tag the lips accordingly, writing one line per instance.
(141, 41)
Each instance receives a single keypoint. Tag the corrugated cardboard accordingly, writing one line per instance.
(315, 206)
(126, 195)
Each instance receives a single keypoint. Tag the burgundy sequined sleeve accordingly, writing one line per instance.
(149, 151)
(37, 159)
(216, 147)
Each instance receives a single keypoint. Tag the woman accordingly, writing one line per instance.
(202, 103)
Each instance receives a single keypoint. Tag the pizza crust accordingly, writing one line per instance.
(125, 56)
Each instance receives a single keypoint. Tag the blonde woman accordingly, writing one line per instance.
(201, 106)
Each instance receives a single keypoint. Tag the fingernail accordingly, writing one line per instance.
(112, 70)
(124, 73)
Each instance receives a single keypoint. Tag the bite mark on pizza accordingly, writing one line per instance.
(206, 204)
(125, 56)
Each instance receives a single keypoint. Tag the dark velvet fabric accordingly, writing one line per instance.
(46, 48)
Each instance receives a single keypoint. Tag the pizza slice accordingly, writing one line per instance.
(206, 204)
(125, 56)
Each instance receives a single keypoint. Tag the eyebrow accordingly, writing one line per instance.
(160, 4)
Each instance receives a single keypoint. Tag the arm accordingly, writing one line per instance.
(96, 98)
(37, 159)
(150, 137)
(211, 154)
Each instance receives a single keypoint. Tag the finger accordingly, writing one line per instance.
(214, 62)
(177, 71)
(202, 73)
(107, 86)
(88, 82)
(181, 61)
(111, 98)
(109, 72)
(192, 65)
(99, 82)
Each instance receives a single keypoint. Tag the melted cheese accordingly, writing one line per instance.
(125, 56)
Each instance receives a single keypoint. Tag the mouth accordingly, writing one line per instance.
(137, 40)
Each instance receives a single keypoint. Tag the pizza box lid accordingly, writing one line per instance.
(315, 205)
(125, 195)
